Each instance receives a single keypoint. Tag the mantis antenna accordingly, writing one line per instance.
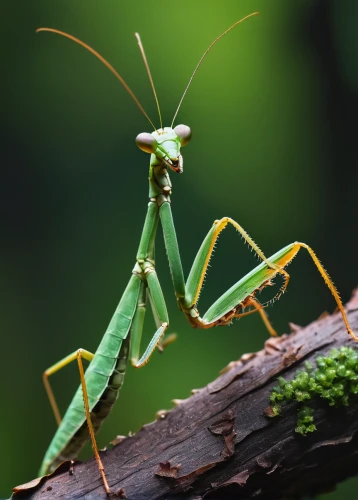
(205, 53)
(141, 48)
(106, 63)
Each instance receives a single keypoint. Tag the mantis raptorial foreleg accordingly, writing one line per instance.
(297, 245)
(260, 309)
(172, 248)
(200, 264)
(196, 277)
(242, 293)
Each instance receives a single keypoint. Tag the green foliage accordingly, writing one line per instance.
(334, 379)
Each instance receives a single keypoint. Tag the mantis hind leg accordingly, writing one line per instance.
(89, 422)
(77, 355)
(55, 368)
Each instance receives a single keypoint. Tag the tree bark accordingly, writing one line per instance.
(220, 443)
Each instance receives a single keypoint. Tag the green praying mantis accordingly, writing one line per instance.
(102, 380)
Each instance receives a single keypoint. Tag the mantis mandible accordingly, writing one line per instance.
(101, 382)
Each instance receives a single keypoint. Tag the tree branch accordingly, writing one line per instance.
(220, 442)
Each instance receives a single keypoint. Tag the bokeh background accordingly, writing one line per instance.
(273, 111)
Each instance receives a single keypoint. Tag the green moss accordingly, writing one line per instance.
(305, 421)
(334, 379)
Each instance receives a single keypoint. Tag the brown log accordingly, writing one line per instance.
(221, 444)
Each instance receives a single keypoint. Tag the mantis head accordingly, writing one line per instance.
(165, 144)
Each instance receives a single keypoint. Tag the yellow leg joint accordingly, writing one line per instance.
(55, 368)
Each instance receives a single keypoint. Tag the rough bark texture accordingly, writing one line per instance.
(219, 444)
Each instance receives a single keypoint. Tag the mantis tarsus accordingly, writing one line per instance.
(104, 376)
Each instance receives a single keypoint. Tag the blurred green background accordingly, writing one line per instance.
(273, 112)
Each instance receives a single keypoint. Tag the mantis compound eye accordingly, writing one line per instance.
(146, 142)
(184, 134)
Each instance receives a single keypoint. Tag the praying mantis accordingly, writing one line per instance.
(102, 380)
